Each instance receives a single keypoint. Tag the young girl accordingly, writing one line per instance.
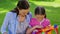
(40, 21)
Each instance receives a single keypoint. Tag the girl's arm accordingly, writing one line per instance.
(30, 30)
(5, 23)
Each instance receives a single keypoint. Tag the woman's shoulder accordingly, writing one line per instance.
(10, 14)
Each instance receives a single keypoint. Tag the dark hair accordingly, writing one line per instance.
(40, 11)
(23, 4)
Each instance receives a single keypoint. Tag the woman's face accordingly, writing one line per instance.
(39, 17)
(23, 12)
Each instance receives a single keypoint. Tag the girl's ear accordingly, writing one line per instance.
(45, 16)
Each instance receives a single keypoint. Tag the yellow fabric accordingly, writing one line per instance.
(50, 32)
(48, 28)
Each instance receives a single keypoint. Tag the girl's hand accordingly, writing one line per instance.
(29, 30)
(37, 26)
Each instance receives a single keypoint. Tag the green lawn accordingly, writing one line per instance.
(52, 9)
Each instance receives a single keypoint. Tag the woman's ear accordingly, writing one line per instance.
(17, 8)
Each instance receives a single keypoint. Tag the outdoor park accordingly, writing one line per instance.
(52, 9)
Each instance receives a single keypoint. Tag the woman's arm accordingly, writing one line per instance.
(30, 15)
(5, 33)
(5, 23)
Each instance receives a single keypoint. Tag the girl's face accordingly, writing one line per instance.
(40, 17)
(23, 12)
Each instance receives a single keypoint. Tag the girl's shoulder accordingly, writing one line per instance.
(33, 22)
(33, 19)
(47, 20)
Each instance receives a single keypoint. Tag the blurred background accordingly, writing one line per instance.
(52, 9)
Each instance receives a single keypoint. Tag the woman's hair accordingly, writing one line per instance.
(22, 4)
(40, 11)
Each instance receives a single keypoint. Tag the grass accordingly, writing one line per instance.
(52, 9)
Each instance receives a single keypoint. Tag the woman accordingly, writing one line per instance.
(17, 20)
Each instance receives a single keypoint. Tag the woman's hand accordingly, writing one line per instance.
(5, 33)
(21, 18)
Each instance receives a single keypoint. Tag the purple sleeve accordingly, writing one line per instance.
(30, 24)
(30, 15)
